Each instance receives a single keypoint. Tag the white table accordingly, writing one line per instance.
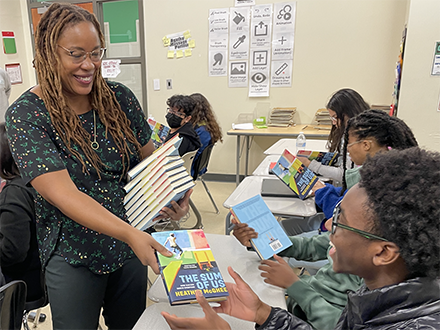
(263, 168)
(152, 320)
(284, 206)
(229, 252)
(278, 147)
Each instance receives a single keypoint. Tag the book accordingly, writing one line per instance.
(295, 174)
(167, 149)
(192, 267)
(271, 237)
(154, 183)
(159, 132)
(324, 157)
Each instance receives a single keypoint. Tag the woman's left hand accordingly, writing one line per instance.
(211, 320)
(178, 210)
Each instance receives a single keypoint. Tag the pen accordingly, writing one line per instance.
(305, 127)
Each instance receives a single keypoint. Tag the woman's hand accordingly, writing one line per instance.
(243, 303)
(144, 246)
(211, 320)
(278, 272)
(243, 232)
(178, 210)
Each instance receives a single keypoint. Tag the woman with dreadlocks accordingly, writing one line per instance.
(366, 134)
(74, 137)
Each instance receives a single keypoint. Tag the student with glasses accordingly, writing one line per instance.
(320, 298)
(386, 231)
(343, 105)
(74, 136)
(180, 109)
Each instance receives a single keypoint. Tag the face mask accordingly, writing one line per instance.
(173, 120)
(352, 176)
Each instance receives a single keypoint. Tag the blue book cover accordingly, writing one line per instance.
(271, 237)
(192, 267)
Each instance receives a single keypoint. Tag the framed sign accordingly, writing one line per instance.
(14, 71)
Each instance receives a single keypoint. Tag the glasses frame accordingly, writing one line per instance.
(336, 224)
(78, 61)
(177, 113)
(334, 119)
(356, 142)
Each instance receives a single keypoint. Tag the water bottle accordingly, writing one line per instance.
(300, 142)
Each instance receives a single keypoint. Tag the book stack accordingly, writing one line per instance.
(281, 117)
(159, 132)
(154, 183)
(322, 118)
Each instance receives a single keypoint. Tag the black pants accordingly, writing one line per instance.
(76, 295)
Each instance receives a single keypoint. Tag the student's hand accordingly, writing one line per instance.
(278, 272)
(318, 185)
(243, 303)
(243, 232)
(304, 160)
(178, 210)
(211, 320)
(144, 246)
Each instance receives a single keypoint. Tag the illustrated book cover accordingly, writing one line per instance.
(295, 174)
(192, 267)
(272, 239)
(324, 157)
(159, 132)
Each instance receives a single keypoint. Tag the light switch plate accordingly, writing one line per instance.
(169, 84)
(156, 83)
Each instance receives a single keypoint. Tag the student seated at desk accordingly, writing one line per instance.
(366, 134)
(343, 105)
(205, 125)
(385, 231)
(18, 238)
(179, 119)
(319, 299)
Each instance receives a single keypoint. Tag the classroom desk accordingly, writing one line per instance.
(229, 252)
(290, 144)
(152, 320)
(283, 206)
(289, 132)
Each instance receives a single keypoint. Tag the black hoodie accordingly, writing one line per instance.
(190, 139)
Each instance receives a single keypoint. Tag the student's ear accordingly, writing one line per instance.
(187, 119)
(386, 253)
(366, 144)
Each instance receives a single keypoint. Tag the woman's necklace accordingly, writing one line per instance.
(94, 144)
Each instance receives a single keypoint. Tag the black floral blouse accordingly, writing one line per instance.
(37, 149)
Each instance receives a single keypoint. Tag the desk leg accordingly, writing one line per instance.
(247, 156)
(237, 175)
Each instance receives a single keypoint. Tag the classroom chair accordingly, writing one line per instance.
(36, 305)
(12, 302)
(200, 167)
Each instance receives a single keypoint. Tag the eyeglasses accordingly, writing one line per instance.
(177, 113)
(355, 142)
(79, 56)
(335, 224)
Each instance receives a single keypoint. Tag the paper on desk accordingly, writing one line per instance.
(243, 126)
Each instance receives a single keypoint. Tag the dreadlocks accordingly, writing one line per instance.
(388, 131)
(67, 124)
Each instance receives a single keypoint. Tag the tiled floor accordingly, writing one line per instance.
(213, 223)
